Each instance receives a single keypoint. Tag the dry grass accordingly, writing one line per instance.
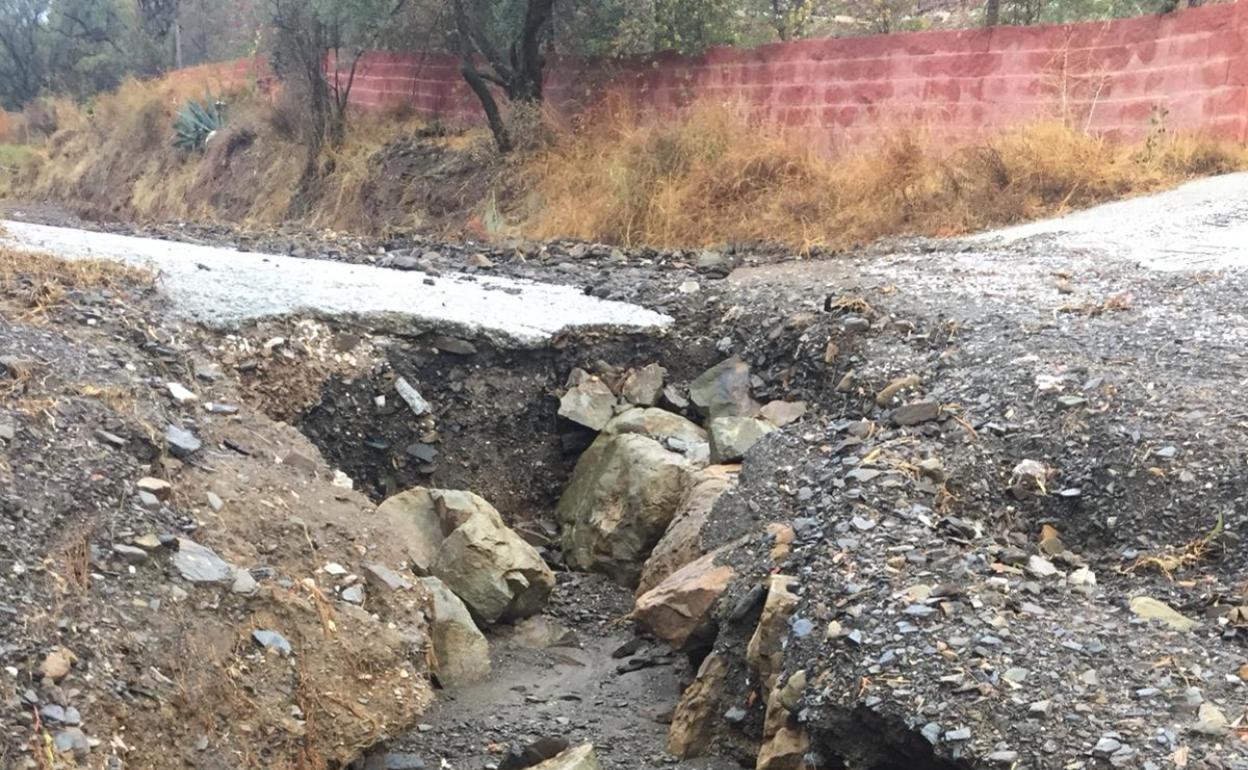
(716, 175)
(711, 176)
(40, 282)
(114, 158)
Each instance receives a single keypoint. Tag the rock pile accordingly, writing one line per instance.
(476, 572)
(640, 493)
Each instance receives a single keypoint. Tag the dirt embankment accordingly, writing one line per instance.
(167, 596)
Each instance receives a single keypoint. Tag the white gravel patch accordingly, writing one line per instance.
(224, 288)
(1202, 225)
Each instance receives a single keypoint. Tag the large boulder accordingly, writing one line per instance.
(461, 539)
(724, 390)
(421, 518)
(732, 437)
(590, 403)
(643, 386)
(678, 610)
(659, 424)
(497, 574)
(682, 542)
(622, 496)
(461, 653)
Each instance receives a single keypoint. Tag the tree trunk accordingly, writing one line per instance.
(492, 115)
(526, 82)
(992, 13)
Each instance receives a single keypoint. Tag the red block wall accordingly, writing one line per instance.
(1111, 77)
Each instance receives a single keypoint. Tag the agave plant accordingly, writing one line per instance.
(197, 122)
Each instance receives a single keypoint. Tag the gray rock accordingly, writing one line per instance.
(181, 442)
(8, 430)
(244, 583)
(732, 437)
(180, 393)
(673, 399)
(623, 494)
(353, 594)
(400, 760)
(111, 439)
(130, 554)
(591, 403)
(272, 640)
(71, 739)
(453, 345)
(459, 538)
(916, 412)
(411, 397)
(381, 576)
(1106, 746)
(713, 263)
(199, 564)
(215, 502)
(461, 652)
(724, 390)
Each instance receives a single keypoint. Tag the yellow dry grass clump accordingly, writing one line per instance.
(115, 157)
(39, 282)
(716, 175)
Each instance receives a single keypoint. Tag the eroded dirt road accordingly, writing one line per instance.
(967, 586)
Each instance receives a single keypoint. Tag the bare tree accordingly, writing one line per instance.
(310, 34)
(21, 62)
(518, 73)
(158, 16)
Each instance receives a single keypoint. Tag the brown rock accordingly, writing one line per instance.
(57, 664)
(782, 542)
(590, 403)
(577, 758)
(658, 424)
(698, 711)
(765, 651)
(781, 413)
(678, 609)
(682, 543)
(724, 390)
(158, 488)
(784, 751)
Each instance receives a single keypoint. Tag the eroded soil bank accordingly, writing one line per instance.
(1004, 533)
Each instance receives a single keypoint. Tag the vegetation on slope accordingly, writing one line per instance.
(713, 175)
